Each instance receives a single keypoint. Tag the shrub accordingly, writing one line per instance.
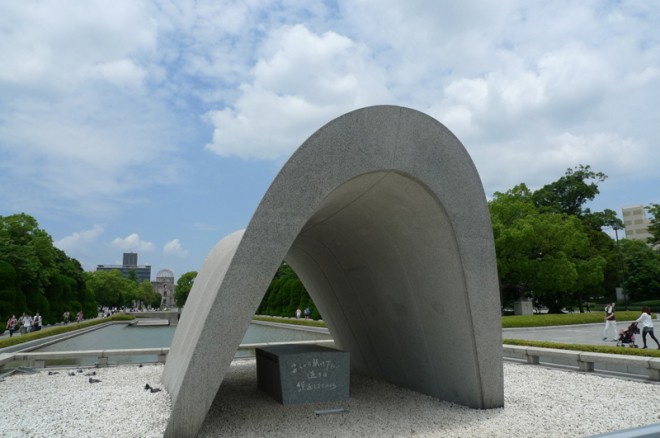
(583, 347)
(307, 322)
(545, 320)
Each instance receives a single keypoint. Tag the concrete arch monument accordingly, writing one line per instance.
(382, 214)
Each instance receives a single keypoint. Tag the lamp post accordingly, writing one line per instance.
(622, 276)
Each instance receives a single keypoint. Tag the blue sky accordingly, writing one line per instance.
(157, 126)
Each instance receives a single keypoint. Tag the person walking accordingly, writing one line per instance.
(646, 323)
(610, 322)
(36, 322)
(11, 325)
(27, 324)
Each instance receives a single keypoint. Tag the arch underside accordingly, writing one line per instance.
(381, 263)
(382, 215)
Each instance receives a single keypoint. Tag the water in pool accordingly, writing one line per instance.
(123, 336)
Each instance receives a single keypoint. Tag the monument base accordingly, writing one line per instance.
(523, 307)
(296, 374)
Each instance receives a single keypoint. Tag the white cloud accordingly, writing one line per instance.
(174, 248)
(501, 77)
(80, 240)
(119, 72)
(302, 81)
(105, 103)
(80, 125)
(132, 243)
(55, 46)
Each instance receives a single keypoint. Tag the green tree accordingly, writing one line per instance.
(570, 192)
(110, 288)
(67, 289)
(569, 195)
(148, 295)
(42, 278)
(542, 252)
(30, 251)
(286, 293)
(9, 290)
(183, 286)
(654, 227)
(130, 293)
(132, 275)
(642, 270)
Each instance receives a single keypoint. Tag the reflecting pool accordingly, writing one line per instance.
(124, 336)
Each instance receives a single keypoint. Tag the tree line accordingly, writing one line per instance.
(550, 248)
(37, 277)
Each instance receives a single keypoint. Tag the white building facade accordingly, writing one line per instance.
(636, 222)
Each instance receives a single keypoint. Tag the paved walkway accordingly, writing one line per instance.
(590, 334)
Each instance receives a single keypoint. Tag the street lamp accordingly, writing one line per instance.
(622, 276)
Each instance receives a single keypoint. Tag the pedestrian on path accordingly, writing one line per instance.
(11, 325)
(610, 322)
(27, 324)
(646, 323)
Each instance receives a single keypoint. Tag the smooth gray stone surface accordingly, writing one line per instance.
(382, 214)
(295, 374)
(651, 431)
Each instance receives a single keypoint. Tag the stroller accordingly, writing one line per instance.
(627, 336)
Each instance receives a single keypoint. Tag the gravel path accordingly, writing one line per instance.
(539, 402)
(64, 405)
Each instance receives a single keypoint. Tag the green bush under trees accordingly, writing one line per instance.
(585, 347)
(548, 320)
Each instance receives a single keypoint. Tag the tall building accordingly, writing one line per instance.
(142, 272)
(130, 259)
(164, 285)
(636, 222)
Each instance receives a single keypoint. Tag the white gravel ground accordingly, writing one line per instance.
(539, 402)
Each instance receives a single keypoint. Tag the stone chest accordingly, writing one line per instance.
(295, 374)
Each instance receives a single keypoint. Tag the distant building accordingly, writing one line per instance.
(164, 285)
(636, 222)
(130, 259)
(142, 272)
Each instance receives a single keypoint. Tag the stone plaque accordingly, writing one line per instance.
(295, 374)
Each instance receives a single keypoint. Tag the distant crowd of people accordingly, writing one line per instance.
(299, 312)
(25, 324)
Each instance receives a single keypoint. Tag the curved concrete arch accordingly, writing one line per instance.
(382, 214)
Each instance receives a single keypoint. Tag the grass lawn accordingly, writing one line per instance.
(545, 320)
